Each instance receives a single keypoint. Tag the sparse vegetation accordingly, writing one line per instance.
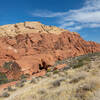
(72, 83)
(56, 83)
(19, 84)
(5, 94)
(33, 80)
(42, 91)
(3, 78)
(7, 65)
(23, 80)
(79, 62)
(62, 74)
(55, 71)
(23, 76)
(11, 89)
(78, 76)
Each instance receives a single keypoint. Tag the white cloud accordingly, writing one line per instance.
(64, 25)
(46, 13)
(94, 25)
(75, 28)
(86, 17)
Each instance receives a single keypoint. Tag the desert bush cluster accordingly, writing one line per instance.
(3, 78)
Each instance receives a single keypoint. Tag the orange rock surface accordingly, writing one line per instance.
(60, 66)
(34, 52)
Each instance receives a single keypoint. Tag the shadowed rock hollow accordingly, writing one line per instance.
(35, 47)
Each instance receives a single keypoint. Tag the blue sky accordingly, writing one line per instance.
(82, 16)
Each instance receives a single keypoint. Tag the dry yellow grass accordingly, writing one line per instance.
(73, 84)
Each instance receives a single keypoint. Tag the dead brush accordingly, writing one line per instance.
(79, 76)
(5, 94)
(85, 89)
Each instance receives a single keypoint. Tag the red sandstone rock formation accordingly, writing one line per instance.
(34, 52)
(60, 66)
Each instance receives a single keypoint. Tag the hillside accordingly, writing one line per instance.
(31, 48)
(79, 80)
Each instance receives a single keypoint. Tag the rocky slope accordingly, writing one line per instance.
(80, 80)
(31, 48)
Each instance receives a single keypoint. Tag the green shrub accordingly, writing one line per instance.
(47, 74)
(3, 78)
(55, 71)
(23, 76)
(79, 62)
(7, 65)
(5, 94)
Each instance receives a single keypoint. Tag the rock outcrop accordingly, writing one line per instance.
(35, 47)
(28, 27)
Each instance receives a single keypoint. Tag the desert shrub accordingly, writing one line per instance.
(78, 76)
(79, 61)
(55, 71)
(91, 85)
(62, 79)
(38, 79)
(62, 74)
(99, 66)
(19, 84)
(66, 68)
(23, 76)
(33, 80)
(49, 74)
(42, 91)
(93, 54)
(7, 65)
(23, 81)
(5, 94)
(79, 64)
(10, 88)
(41, 77)
(56, 83)
(3, 78)
(83, 91)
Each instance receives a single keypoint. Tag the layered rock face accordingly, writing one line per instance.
(34, 47)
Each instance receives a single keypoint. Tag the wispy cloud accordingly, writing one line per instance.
(86, 17)
(74, 28)
(47, 13)
(64, 25)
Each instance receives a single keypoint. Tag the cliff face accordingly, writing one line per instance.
(35, 47)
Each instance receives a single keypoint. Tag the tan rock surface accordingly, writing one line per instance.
(28, 27)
